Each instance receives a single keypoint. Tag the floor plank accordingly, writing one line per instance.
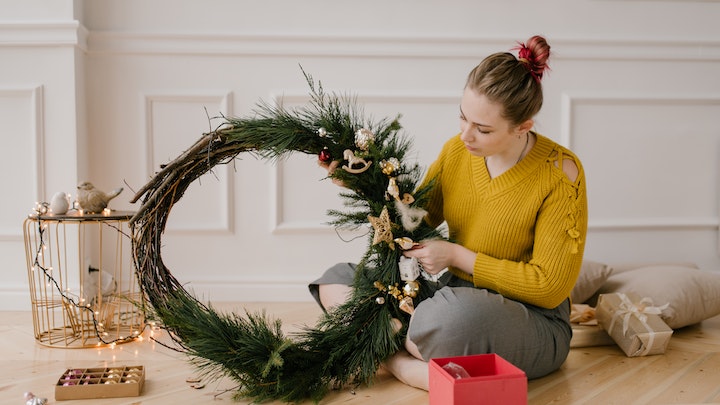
(698, 383)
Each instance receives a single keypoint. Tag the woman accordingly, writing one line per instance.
(515, 206)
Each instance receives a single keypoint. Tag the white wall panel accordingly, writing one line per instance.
(173, 125)
(21, 126)
(23, 168)
(649, 159)
(652, 169)
(301, 205)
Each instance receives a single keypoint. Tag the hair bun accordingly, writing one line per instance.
(534, 55)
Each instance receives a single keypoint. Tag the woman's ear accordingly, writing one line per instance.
(525, 127)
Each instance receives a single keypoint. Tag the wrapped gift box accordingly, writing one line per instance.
(102, 382)
(490, 380)
(633, 323)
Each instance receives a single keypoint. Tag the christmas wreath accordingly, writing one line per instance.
(349, 342)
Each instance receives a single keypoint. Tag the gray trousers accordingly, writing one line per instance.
(459, 320)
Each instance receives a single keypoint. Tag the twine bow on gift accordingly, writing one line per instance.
(627, 309)
(640, 310)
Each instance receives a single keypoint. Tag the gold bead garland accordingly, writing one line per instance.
(404, 295)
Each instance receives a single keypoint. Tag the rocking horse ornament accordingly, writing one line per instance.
(347, 344)
(356, 165)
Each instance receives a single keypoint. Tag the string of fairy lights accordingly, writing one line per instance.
(70, 299)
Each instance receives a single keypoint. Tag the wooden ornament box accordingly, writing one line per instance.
(102, 382)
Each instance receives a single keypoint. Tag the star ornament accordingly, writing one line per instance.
(383, 228)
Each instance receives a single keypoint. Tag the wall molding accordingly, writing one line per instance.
(433, 47)
(43, 34)
(665, 223)
(73, 33)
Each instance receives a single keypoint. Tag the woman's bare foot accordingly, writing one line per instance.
(408, 369)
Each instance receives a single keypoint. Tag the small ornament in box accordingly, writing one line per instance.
(102, 382)
(634, 323)
(476, 379)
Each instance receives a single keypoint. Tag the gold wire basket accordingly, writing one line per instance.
(83, 288)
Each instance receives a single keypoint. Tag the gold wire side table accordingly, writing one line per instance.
(83, 287)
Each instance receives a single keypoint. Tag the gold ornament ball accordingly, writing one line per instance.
(411, 288)
(390, 166)
(364, 138)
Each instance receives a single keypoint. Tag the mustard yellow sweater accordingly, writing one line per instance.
(527, 225)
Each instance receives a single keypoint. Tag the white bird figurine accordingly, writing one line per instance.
(94, 200)
(59, 204)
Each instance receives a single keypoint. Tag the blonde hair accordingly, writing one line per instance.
(513, 82)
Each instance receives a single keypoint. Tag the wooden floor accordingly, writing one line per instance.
(688, 373)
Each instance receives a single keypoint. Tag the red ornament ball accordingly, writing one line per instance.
(325, 155)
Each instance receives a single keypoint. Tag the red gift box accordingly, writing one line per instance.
(492, 380)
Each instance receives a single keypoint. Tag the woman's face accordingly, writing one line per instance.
(484, 131)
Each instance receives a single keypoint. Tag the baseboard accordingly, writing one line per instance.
(14, 299)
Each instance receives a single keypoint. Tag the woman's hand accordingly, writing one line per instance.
(331, 167)
(432, 255)
(436, 255)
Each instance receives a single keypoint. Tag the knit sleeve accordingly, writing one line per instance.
(549, 275)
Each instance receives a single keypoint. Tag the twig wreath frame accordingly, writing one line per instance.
(350, 341)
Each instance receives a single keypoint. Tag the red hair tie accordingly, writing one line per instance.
(526, 57)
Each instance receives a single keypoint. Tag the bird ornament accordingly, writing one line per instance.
(93, 200)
